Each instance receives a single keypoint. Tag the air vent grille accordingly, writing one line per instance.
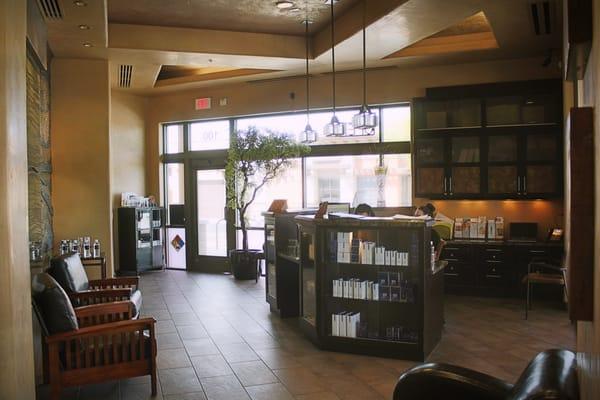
(50, 9)
(125, 72)
(543, 16)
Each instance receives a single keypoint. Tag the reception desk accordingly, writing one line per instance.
(354, 297)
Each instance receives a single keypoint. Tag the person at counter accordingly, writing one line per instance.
(364, 209)
(438, 242)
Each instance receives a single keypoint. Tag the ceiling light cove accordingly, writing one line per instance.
(284, 5)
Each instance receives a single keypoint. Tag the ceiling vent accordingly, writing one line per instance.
(543, 16)
(125, 72)
(50, 9)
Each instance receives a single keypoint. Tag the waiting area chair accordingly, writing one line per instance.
(551, 375)
(69, 272)
(543, 271)
(94, 343)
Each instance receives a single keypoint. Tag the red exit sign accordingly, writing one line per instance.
(202, 104)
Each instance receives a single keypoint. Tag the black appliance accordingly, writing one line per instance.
(176, 215)
(523, 231)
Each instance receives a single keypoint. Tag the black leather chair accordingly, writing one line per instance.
(69, 272)
(551, 375)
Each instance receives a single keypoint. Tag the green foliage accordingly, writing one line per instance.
(252, 161)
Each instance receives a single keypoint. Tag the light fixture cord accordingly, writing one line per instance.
(307, 78)
(333, 54)
(364, 33)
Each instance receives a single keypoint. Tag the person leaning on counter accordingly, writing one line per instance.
(438, 242)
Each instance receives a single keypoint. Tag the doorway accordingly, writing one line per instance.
(208, 228)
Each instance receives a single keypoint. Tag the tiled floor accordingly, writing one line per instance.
(218, 340)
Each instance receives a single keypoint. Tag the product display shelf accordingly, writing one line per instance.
(405, 322)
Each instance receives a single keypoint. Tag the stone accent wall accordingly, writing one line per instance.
(38, 156)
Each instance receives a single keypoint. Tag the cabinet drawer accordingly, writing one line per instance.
(493, 254)
(455, 254)
(493, 274)
(459, 274)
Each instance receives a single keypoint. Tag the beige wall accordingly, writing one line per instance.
(127, 151)
(80, 113)
(588, 333)
(16, 343)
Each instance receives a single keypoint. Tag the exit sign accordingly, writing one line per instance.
(203, 103)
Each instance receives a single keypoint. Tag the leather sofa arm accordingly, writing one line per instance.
(436, 381)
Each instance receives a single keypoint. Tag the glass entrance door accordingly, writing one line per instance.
(209, 224)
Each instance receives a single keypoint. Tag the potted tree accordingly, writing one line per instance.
(253, 160)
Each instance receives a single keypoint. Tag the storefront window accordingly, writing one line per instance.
(173, 139)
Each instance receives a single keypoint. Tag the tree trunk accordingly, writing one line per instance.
(244, 230)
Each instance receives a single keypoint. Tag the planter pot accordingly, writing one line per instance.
(244, 263)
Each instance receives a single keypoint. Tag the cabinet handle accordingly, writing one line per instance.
(524, 185)
(493, 276)
(495, 250)
(538, 251)
(518, 185)
(448, 274)
(493, 262)
(445, 186)
(450, 185)
(451, 259)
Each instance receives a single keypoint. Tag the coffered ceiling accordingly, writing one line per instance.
(260, 16)
(212, 42)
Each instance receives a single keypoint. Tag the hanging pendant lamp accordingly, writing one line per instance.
(365, 121)
(334, 127)
(308, 135)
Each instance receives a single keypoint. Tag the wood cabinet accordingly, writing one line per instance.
(512, 148)
(493, 268)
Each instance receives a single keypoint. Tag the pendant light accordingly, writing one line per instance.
(308, 135)
(334, 127)
(365, 121)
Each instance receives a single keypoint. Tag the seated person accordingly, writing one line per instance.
(364, 209)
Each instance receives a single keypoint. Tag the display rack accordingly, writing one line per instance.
(390, 305)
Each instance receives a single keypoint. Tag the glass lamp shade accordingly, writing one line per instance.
(365, 120)
(308, 135)
(335, 127)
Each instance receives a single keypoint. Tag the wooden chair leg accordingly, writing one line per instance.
(153, 382)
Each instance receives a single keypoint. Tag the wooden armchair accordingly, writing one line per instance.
(94, 343)
(68, 271)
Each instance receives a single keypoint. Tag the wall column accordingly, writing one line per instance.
(80, 114)
(16, 341)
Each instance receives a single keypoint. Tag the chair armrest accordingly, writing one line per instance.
(551, 375)
(86, 297)
(104, 313)
(111, 327)
(115, 282)
(433, 381)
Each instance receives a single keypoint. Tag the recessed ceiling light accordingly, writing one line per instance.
(284, 5)
(84, 27)
(294, 10)
(80, 3)
(87, 44)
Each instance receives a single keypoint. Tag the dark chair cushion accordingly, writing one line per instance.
(69, 273)
(54, 305)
